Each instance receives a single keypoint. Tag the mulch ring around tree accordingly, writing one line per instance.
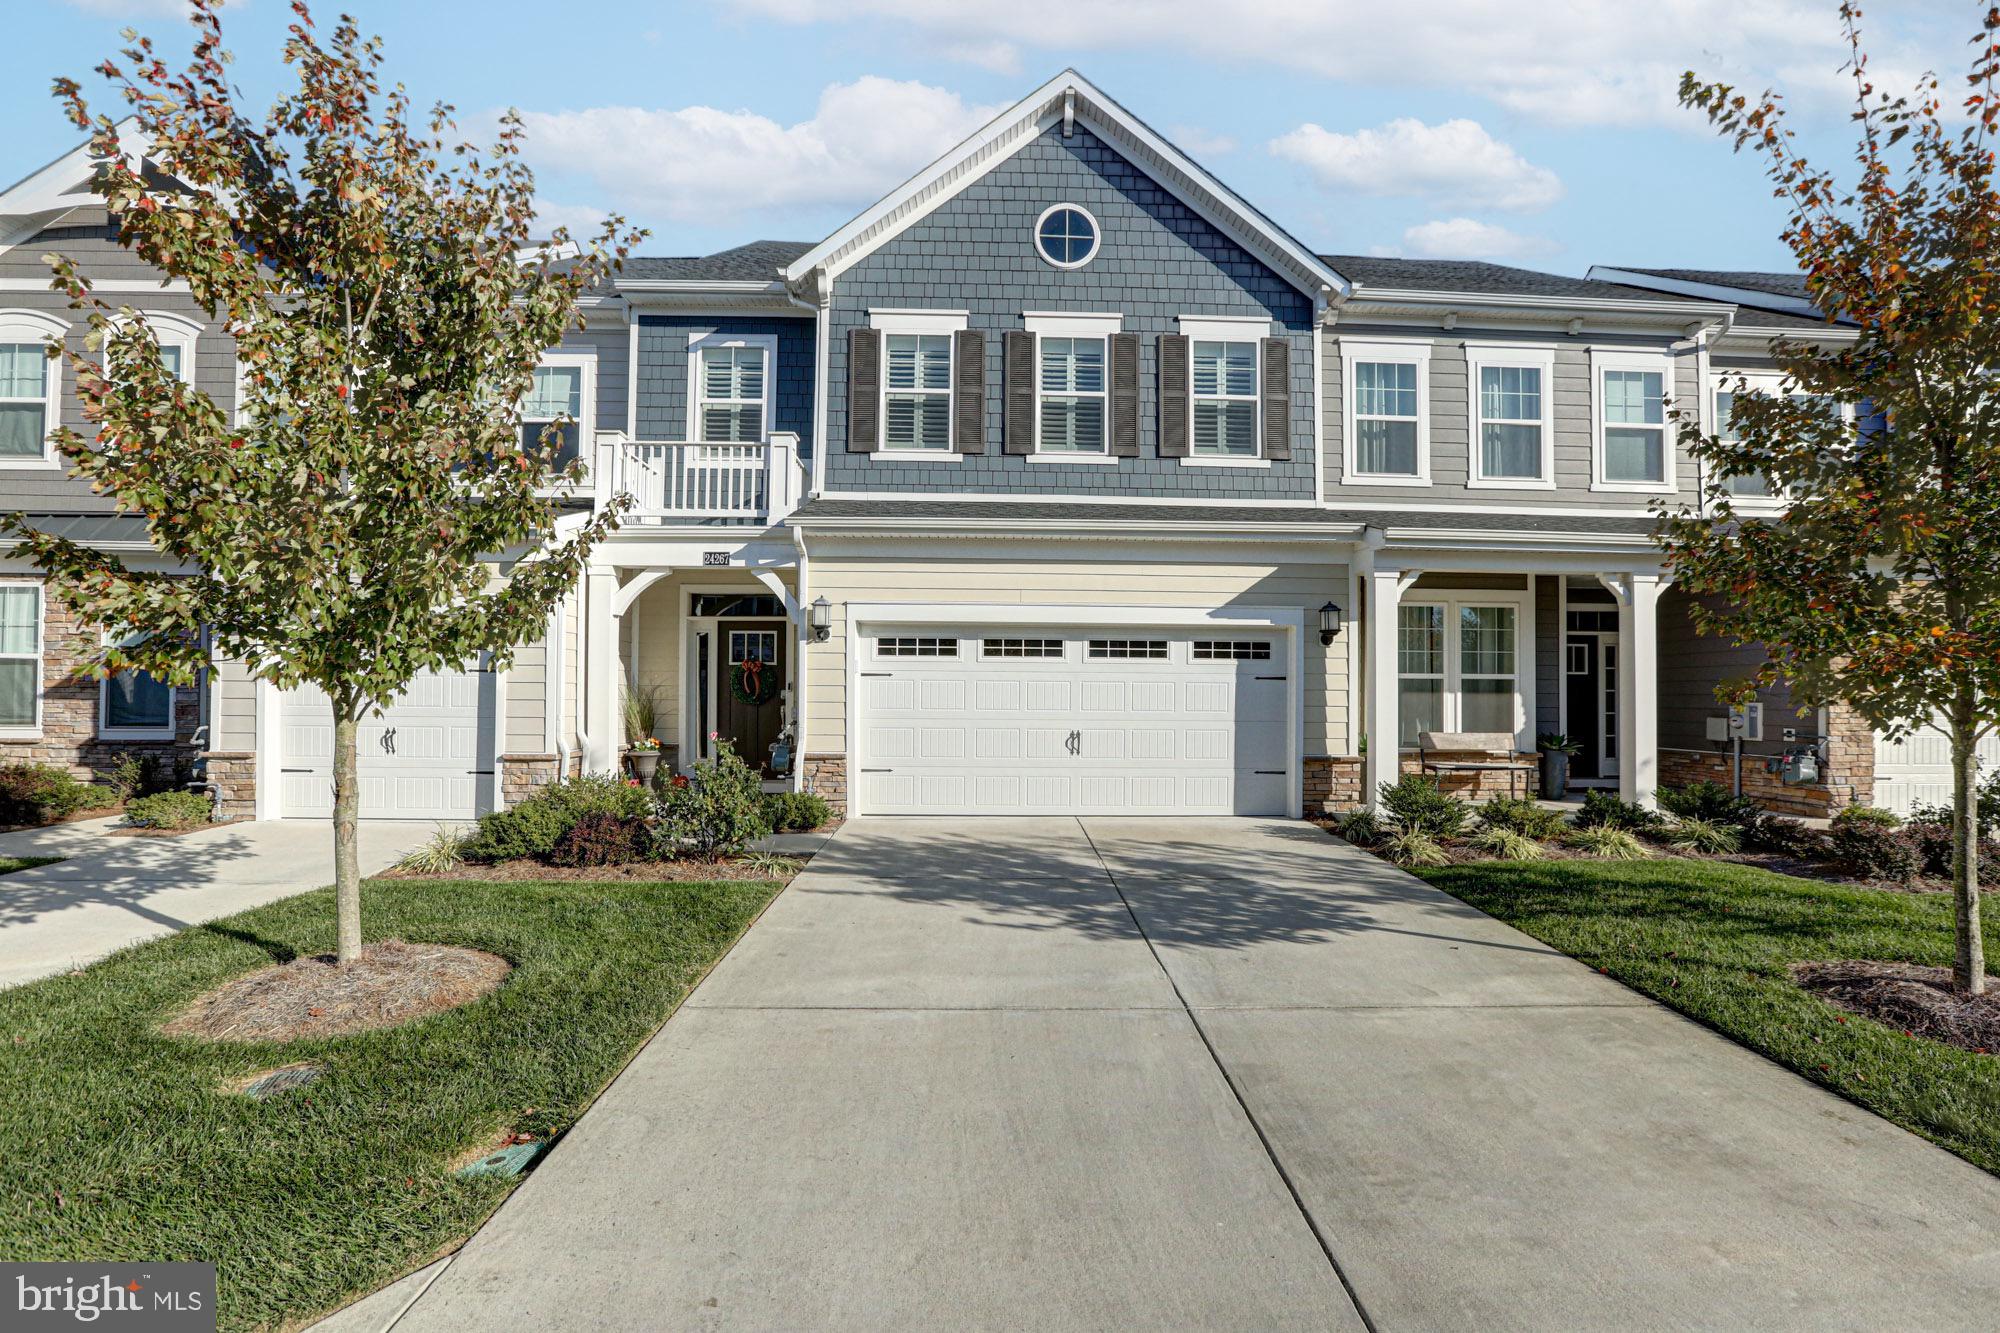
(391, 983)
(1918, 1001)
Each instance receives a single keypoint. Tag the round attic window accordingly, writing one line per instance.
(1067, 236)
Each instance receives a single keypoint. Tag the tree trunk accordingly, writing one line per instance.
(346, 829)
(1968, 971)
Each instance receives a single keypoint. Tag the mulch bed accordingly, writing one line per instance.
(1919, 1001)
(535, 871)
(161, 832)
(99, 812)
(391, 983)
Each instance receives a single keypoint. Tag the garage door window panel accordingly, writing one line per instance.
(1135, 650)
(916, 646)
(1043, 649)
(1232, 650)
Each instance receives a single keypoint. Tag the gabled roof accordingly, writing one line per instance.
(1467, 275)
(45, 194)
(757, 261)
(1069, 94)
(1743, 280)
(1769, 299)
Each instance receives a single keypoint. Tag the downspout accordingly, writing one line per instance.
(804, 656)
(822, 307)
(553, 706)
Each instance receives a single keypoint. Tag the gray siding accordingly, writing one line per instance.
(609, 342)
(88, 237)
(1693, 664)
(1157, 261)
(1451, 420)
(663, 371)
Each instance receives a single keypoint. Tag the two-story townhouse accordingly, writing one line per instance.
(1062, 479)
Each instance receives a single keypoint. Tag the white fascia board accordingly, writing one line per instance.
(1091, 529)
(1682, 312)
(1711, 291)
(989, 497)
(1067, 613)
(1006, 133)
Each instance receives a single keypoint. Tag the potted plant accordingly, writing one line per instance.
(642, 748)
(1556, 748)
(644, 756)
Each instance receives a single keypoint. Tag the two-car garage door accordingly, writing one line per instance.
(1028, 721)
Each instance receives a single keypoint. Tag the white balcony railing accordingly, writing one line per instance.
(678, 480)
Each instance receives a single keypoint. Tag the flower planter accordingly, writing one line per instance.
(644, 764)
(1555, 775)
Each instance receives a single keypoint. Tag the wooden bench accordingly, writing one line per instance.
(1473, 752)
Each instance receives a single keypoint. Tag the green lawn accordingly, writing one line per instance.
(1713, 940)
(9, 864)
(121, 1145)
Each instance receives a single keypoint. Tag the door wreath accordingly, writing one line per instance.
(753, 682)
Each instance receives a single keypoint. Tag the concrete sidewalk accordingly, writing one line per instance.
(113, 891)
(1043, 1074)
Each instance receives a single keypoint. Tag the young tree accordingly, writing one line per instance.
(349, 523)
(1879, 585)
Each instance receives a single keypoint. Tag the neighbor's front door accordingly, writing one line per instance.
(751, 728)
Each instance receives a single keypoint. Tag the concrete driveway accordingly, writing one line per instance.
(115, 891)
(1051, 1074)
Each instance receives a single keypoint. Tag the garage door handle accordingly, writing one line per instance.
(1270, 678)
(1075, 742)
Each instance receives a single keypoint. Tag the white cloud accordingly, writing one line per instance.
(1457, 164)
(1201, 142)
(132, 9)
(704, 164)
(1467, 238)
(583, 220)
(1567, 61)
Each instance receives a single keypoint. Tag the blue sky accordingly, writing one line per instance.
(1543, 134)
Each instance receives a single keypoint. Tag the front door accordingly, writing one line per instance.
(1590, 682)
(750, 708)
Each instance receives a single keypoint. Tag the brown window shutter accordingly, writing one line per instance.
(1125, 395)
(968, 404)
(864, 391)
(1173, 395)
(1277, 398)
(1018, 434)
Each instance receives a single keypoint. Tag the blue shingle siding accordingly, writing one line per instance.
(663, 371)
(1158, 260)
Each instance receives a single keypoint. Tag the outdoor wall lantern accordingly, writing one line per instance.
(822, 620)
(1329, 624)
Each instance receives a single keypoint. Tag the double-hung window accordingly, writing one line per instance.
(1511, 429)
(1755, 486)
(916, 391)
(1072, 400)
(1634, 446)
(1224, 383)
(28, 380)
(1457, 667)
(20, 658)
(558, 397)
(1387, 416)
(730, 406)
(133, 705)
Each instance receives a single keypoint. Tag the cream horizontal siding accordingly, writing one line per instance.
(1087, 585)
(527, 722)
(233, 729)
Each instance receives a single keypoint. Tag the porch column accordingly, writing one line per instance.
(1639, 687)
(1385, 592)
(602, 721)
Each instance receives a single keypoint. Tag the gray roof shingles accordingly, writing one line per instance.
(1748, 280)
(1477, 276)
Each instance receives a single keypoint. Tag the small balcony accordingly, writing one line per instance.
(686, 481)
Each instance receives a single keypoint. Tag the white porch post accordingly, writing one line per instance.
(602, 724)
(1385, 591)
(781, 476)
(1639, 688)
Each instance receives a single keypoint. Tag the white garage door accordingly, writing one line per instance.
(429, 755)
(1917, 769)
(1046, 721)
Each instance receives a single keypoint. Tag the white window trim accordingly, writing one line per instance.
(107, 732)
(34, 732)
(1048, 324)
(946, 323)
(32, 326)
(1228, 329)
(1455, 600)
(701, 339)
(586, 414)
(1661, 363)
(1416, 352)
(1096, 237)
(1480, 357)
(1755, 381)
(171, 330)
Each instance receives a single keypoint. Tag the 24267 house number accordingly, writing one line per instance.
(715, 557)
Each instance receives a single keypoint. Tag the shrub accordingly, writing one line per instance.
(39, 793)
(1603, 810)
(718, 810)
(1608, 842)
(599, 838)
(169, 810)
(1508, 844)
(795, 811)
(531, 830)
(1866, 814)
(1414, 847)
(1870, 849)
(128, 779)
(1708, 801)
(444, 852)
(1989, 808)
(1694, 834)
(1418, 805)
(1520, 816)
(1360, 827)
(1787, 837)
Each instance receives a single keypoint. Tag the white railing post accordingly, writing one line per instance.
(781, 476)
(607, 472)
